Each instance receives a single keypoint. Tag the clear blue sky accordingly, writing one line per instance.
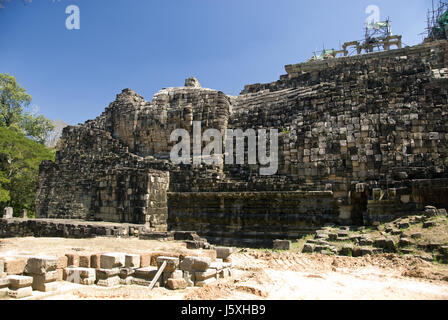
(147, 45)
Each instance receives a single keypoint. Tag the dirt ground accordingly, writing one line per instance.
(258, 274)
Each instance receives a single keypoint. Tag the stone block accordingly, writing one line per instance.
(126, 272)
(46, 287)
(4, 282)
(195, 244)
(346, 250)
(2, 266)
(109, 282)
(95, 261)
(104, 274)
(62, 262)
(223, 252)
(8, 213)
(177, 274)
(60, 274)
(40, 279)
(201, 276)
(225, 273)
(172, 263)
(155, 255)
(145, 260)
(84, 261)
(126, 281)
(192, 264)
(112, 260)
(41, 265)
(72, 260)
(217, 265)
(176, 284)
(17, 282)
(416, 235)
(204, 282)
(189, 278)
(211, 253)
(144, 282)
(132, 261)
(388, 245)
(85, 276)
(20, 293)
(281, 245)
(308, 248)
(147, 273)
(4, 292)
(15, 266)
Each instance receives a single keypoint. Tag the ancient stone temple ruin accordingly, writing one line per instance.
(362, 139)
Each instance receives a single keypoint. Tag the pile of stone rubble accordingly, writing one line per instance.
(21, 275)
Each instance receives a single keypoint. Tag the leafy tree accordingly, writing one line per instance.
(13, 104)
(20, 158)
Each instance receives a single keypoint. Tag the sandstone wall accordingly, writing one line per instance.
(251, 218)
(348, 126)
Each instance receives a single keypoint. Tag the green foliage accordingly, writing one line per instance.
(20, 158)
(14, 102)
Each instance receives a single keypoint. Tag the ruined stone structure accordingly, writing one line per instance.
(362, 139)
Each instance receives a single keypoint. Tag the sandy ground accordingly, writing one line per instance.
(258, 274)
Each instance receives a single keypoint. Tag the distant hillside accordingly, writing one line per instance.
(55, 135)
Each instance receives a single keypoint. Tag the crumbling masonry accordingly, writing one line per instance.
(363, 139)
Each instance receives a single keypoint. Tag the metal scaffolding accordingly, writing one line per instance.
(437, 20)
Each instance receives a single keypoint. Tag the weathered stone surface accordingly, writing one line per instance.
(132, 261)
(109, 282)
(104, 274)
(388, 245)
(205, 282)
(429, 224)
(40, 279)
(126, 272)
(112, 260)
(84, 260)
(4, 282)
(144, 282)
(4, 292)
(72, 259)
(16, 282)
(15, 266)
(201, 276)
(346, 250)
(62, 262)
(60, 274)
(85, 276)
(416, 235)
(46, 287)
(176, 284)
(282, 245)
(95, 261)
(308, 248)
(350, 129)
(20, 293)
(172, 263)
(145, 260)
(224, 252)
(147, 273)
(41, 265)
(8, 213)
(192, 264)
